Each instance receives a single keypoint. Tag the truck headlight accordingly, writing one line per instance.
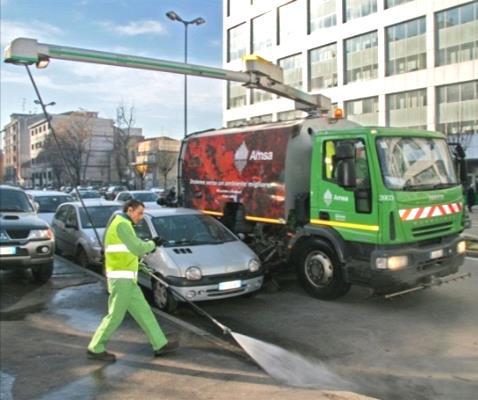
(41, 234)
(193, 274)
(392, 263)
(254, 265)
(461, 247)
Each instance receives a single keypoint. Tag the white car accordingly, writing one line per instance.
(201, 259)
(48, 201)
(148, 198)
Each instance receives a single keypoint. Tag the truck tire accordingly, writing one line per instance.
(163, 298)
(42, 273)
(319, 271)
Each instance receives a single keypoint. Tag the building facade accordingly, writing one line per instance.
(403, 63)
(156, 162)
(16, 147)
(93, 134)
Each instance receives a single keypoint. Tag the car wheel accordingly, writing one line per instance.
(319, 271)
(81, 258)
(163, 298)
(42, 273)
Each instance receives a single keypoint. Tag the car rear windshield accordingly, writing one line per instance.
(191, 229)
(100, 216)
(49, 204)
(14, 201)
(145, 196)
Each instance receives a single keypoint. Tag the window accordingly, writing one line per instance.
(236, 7)
(236, 95)
(322, 14)
(263, 34)
(457, 107)
(359, 8)
(237, 42)
(236, 123)
(363, 111)
(457, 34)
(292, 70)
(259, 96)
(323, 67)
(393, 3)
(406, 47)
(407, 109)
(289, 115)
(361, 58)
(290, 21)
(261, 119)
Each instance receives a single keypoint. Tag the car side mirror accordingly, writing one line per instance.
(346, 173)
(36, 206)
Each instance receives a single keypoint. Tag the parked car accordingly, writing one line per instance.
(113, 191)
(48, 202)
(26, 241)
(74, 232)
(160, 192)
(201, 259)
(148, 198)
(85, 194)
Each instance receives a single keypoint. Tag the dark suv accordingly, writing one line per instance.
(26, 241)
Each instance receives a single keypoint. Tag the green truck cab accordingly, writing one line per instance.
(389, 204)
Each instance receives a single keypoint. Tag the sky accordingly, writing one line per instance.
(134, 27)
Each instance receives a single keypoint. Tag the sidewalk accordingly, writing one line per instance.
(45, 330)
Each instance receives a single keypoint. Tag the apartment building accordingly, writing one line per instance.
(403, 63)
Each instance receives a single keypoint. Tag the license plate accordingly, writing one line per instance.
(436, 254)
(229, 285)
(7, 251)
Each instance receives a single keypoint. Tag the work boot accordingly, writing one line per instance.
(103, 356)
(171, 346)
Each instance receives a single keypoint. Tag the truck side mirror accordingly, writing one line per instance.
(345, 158)
(346, 173)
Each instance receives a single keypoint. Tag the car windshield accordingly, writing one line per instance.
(100, 215)
(191, 229)
(145, 196)
(409, 163)
(14, 201)
(49, 204)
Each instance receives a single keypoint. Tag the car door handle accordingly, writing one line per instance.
(324, 215)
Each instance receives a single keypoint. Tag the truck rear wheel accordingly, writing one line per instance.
(319, 271)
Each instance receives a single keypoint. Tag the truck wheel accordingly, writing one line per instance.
(81, 258)
(42, 273)
(163, 298)
(319, 271)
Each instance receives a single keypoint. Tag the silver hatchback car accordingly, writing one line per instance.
(201, 259)
(74, 234)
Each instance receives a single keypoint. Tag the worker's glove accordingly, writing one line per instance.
(145, 268)
(158, 241)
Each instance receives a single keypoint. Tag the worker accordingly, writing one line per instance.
(122, 249)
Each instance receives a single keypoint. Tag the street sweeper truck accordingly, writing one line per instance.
(341, 203)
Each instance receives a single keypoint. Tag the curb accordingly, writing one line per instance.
(216, 340)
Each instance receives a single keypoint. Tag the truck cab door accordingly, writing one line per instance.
(343, 189)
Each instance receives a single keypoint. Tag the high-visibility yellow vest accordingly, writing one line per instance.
(117, 256)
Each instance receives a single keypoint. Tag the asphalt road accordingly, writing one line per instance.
(420, 346)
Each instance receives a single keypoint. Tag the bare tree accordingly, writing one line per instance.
(166, 162)
(125, 120)
(74, 134)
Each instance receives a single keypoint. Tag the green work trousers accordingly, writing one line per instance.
(125, 295)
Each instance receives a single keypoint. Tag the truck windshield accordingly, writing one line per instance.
(14, 201)
(415, 163)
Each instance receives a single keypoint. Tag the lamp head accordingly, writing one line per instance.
(173, 16)
(199, 21)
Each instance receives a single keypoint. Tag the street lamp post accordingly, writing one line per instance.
(196, 21)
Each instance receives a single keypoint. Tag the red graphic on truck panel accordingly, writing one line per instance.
(245, 167)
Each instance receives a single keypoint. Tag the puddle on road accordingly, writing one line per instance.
(6, 386)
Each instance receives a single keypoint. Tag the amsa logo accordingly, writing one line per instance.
(261, 155)
(243, 155)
